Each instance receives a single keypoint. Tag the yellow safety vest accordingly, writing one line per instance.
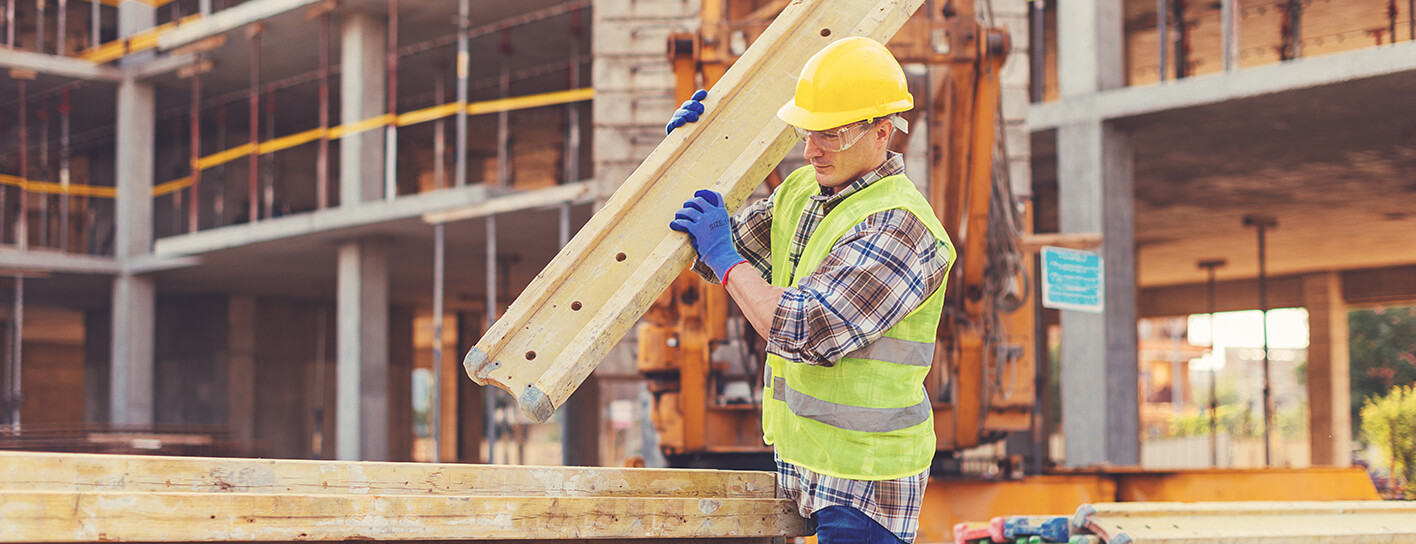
(867, 417)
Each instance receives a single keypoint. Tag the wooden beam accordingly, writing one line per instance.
(67, 472)
(68, 516)
(585, 300)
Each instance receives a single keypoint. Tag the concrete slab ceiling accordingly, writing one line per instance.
(1332, 163)
(305, 266)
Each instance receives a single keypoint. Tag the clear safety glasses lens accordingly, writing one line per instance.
(836, 139)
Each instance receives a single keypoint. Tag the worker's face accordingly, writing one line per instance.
(835, 169)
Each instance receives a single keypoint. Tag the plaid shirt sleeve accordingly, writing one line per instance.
(875, 275)
(752, 234)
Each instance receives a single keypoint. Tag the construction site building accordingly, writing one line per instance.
(252, 227)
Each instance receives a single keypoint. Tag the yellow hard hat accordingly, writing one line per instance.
(850, 80)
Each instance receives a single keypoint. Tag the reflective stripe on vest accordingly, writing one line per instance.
(895, 350)
(850, 418)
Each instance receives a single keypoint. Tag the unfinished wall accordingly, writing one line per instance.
(190, 352)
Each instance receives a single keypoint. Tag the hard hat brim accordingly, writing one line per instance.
(801, 118)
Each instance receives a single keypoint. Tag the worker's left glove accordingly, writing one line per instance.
(687, 112)
(706, 220)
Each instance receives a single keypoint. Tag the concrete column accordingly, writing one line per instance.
(363, 75)
(1100, 406)
(1091, 47)
(1329, 394)
(241, 366)
(362, 396)
(134, 318)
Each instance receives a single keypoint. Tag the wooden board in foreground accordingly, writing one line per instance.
(130, 498)
(584, 301)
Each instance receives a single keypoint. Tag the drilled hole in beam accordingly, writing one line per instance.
(575, 306)
(530, 356)
(621, 256)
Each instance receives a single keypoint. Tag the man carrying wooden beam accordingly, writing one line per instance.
(850, 266)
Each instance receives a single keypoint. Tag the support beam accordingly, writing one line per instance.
(362, 77)
(1329, 393)
(226, 20)
(51, 65)
(134, 296)
(363, 361)
(1100, 412)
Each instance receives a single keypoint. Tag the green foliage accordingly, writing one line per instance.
(1389, 423)
(1239, 421)
(1382, 346)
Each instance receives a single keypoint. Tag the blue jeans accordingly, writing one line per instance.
(846, 525)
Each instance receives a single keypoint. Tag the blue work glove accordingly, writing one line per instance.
(688, 112)
(706, 221)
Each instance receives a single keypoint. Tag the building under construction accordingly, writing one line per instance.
(273, 227)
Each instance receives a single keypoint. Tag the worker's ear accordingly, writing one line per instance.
(883, 130)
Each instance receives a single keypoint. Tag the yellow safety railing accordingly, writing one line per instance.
(141, 41)
(414, 117)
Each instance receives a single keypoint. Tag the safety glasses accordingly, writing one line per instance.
(839, 138)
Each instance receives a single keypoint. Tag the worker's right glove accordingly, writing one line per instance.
(688, 112)
(706, 220)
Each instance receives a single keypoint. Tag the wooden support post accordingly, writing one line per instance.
(597, 287)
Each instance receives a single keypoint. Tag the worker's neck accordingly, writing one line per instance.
(830, 190)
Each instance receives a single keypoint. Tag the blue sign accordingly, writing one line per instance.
(1071, 279)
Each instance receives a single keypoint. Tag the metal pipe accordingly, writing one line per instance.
(440, 131)
(491, 393)
(65, 198)
(504, 131)
(194, 209)
(1410, 20)
(391, 130)
(218, 201)
(10, 23)
(17, 398)
(572, 110)
(459, 172)
(204, 7)
(439, 247)
(322, 158)
(255, 112)
(39, 25)
(22, 218)
(1226, 33)
(95, 24)
(62, 19)
(268, 161)
(1039, 46)
(1182, 41)
(1162, 33)
(1263, 224)
(1209, 267)
(43, 115)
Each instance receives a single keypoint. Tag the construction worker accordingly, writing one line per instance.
(844, 275)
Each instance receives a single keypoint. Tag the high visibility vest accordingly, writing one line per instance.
(867, 417)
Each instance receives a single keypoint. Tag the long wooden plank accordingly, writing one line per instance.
(65, 516)
(28, 471)
(1297, 522)
(564, 322)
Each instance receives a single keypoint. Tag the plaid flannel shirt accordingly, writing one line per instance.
(877, 273)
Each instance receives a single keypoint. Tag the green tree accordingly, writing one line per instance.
(1382, 346)
(1389, 423)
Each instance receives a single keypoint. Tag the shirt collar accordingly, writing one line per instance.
(894, 164)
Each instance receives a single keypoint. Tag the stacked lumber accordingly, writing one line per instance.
(47, 497)
(1296, 522)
